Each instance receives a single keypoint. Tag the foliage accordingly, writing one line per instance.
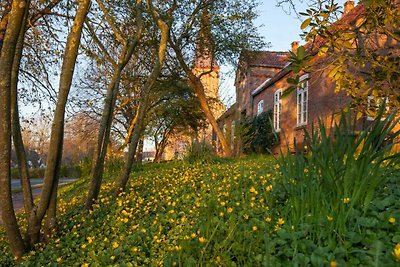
(199, 152)
(359, 50)
(210, 214)
(333, 189)
(257, 134)
(177, 112)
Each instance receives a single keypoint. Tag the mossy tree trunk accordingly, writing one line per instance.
(109, 105)
(164, 28)
(7, 54)
(53, 163)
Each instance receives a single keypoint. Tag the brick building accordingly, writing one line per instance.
(261, 78)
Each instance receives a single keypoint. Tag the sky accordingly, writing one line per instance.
(279, 26)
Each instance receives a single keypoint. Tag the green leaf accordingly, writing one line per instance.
(306, 23)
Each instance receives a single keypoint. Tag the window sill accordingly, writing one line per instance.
(301, 126)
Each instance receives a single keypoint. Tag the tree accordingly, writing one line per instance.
(9, 63)
(163, 26)
(129, 43)
(9, 43)
(360, 50)
(214, 29)
(177, 112)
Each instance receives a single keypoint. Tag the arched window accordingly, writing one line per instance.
(277, 110)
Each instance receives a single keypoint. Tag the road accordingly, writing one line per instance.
(18, 201)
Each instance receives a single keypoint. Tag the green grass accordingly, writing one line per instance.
(222, 213)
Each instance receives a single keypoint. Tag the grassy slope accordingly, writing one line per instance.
(181, 214)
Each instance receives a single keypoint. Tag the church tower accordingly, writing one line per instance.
(206, 67)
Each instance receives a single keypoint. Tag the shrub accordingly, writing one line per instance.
(334, 185)
(199, 152)
(257, 134)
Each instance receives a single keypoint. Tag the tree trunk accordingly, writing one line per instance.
(142, 109)
(51, 220)
(106, 119)
(139, 151)
(53, 162)
(16, 127)
(160, 149)
(103, 140)
(6, 62)
(198, 86)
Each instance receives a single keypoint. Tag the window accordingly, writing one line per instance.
(302, 101)
(277, 110)
(233, 135)
(373, 106)
(260, 107)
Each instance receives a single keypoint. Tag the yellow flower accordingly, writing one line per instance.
(280, 221)
(112, 257)
(254, 228)
(85, 265)
(333, 263)
(396, 252)
(83, 246)
(115, 245)
(218, 259)
(229, 210)
(59, 259)
(269, 188)
(253, 190)
(329, 218)
(346, 200)
(202, 240)
(392, 220)
(268, 219)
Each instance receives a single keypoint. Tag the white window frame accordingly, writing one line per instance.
(277, 110)
(302, 101)
(233, 125)
(260, 107)
(377, 106)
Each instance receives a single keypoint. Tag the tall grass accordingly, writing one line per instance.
(337, 179)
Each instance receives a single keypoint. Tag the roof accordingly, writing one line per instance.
(344, 22)
(274, 59)
(231, 110)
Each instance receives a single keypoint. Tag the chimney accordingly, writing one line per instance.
(348, 6)
(295, 46)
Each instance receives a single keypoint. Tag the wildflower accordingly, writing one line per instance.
(83, 246)
(333, 263)
(218, 259)
(229, 210)
(85, 265)
(280, 221)
(112, 257)
(115, 245)
(254, 228)
(59, 259)
(268, 219)
(193, 235)
(202, 240)
(346, 200)
(396, 252)
(329, 218)
(392, 220)
(269, 188)
(253, 190)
